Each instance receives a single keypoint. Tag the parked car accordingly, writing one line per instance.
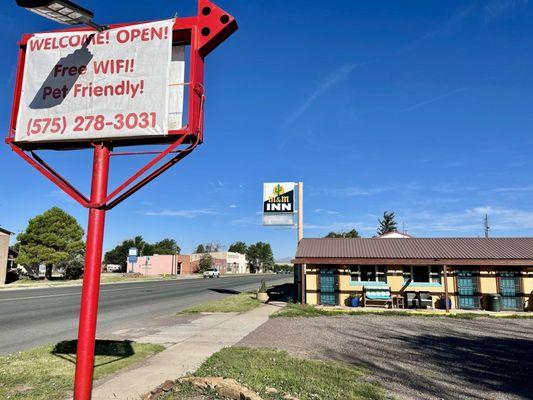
(113, 268)
(211, 273)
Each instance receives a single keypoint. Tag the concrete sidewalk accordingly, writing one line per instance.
(190, 344)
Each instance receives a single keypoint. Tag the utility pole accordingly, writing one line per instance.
(486, 225)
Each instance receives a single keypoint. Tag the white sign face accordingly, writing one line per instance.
(132, 252)
(278, 203)
(87, 85)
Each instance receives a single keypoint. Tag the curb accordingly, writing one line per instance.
(135, 280)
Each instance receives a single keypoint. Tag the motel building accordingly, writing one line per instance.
(401, 271)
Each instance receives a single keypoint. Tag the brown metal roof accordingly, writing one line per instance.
(418, 248)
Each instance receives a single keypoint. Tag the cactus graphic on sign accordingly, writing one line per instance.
(278, 190)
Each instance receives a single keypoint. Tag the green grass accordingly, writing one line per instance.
(239, 303)
(47, 372)
(42, 281)
(298, 310)
(306, 379)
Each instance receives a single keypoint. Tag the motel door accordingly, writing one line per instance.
(327, 287)
(510, 290)
(467, 288)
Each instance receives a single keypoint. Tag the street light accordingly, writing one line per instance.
(62, 11)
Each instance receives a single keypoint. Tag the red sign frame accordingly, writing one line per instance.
(203, 32)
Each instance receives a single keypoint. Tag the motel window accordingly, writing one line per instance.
(369, 273)
(435, 273)
(422, 274)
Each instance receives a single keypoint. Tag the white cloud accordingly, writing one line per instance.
(433, 99)
(328, 212)
(455, 19)
(429, 223)
(471, 220)
(512, 189)
(506, 218)
(181, 213)
(499, 8)
(232, 206)
(247, 221)
(59, 195)
(338, 75)
(356, 191)
(341, 226)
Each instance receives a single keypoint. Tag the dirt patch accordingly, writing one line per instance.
(195, 387)
(415, 357)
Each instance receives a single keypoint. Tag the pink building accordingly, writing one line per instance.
(175, 264)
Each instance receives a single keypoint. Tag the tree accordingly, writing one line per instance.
(211, 247)
(205, 262)
(52, 238)
(165, 246)
(387, 224)
(280, 268)
(238, 247)
(260, 256)
(350, 234)
(119, 254)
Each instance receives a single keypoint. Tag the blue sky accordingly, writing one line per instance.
(418, 107)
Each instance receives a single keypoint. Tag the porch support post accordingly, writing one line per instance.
(446, 294)
(302, 279)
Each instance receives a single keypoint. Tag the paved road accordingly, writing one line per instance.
(32, 317)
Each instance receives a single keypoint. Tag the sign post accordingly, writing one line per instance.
(300, 211)
(133, 252)
(84, 89)
(91, 276)
(301, 234)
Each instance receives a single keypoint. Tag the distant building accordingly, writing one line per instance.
(184, 264)
(226, 262)
(394, 235)
(5, 236)
(11, 257)
(162, 264)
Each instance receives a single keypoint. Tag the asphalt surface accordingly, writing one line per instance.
(32, 317)
(417, 358)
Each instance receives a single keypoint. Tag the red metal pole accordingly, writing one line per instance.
(91, 276)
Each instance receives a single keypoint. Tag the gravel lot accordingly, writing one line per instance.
(417, 357)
